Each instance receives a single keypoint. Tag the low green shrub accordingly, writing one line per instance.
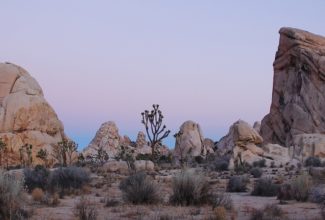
(190, 188)
(256, 172)
(265, 187)
(66, 178)
(237, 184)
(259, 163)
(139, 189)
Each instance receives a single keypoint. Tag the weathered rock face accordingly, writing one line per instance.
(306, 145)
(298, 101)
(240, 134)
(107, 138)
(141, 140)
(190, 141)
(243, 143)
(25, 115)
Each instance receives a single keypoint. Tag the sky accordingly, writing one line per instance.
(208, 61)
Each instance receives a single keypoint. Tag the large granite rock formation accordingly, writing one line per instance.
(243, 143)
(298, 100)
(107, 138)
(190, 141)
(25, 115)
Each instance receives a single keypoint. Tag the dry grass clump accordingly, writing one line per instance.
(37, 194)
(298, 189)
(301, 186)
(220, 213)
(11, 197)
(190, 188)
(269, 212)
(139, 189)
(85, 209)
(222, 199)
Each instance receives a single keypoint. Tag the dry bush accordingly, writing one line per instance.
(285, 192)
(269, 212)
(301, 187)
(237, 184)
(220, 213)
(139, 189)
(256, 172)
(265, 187)
(222, 199)
(37, 194)
(190, 188)
(110, 202)
(12, 197)
(313, 162)
(66, 179)
(85, 209)
(221, 163)
(36, 178)
(259, 163)
(51, 199)
(317, 194)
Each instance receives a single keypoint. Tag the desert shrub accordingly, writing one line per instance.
(51, 199)
(269, 212)
(143, 157)
(242, 167)
(313, 162)
(108, 202)
(256, 172)
(139, 189)
(237, 184)
(285, 192)
(259, 163)
(199, 159)
(265, 187)
(37, 194)
(85, 209)
(36, 178)
(11, 197)
(67, 178)
(300, 188)
(317, 194)
(221, 164)
(220, 213)
(222, 199)
(190, 188)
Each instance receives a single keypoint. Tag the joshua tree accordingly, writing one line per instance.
(64, 150)
(29, 148)
(43, 155)
(102, 155)
(182, 154)
(2, 150)
(156, 132)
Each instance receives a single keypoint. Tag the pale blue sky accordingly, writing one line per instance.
(208, 61)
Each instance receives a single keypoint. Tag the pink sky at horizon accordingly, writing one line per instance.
(207, 61)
